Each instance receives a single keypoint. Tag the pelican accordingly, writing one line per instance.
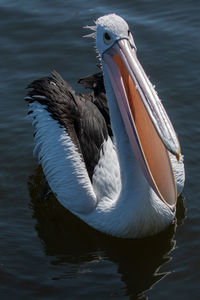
(116, 163)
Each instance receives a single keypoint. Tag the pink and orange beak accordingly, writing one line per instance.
(149, 129)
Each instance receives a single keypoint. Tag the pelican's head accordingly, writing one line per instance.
(111, 28)
(148, 127)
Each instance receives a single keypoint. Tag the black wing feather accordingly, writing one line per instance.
(95, 82)
(78, 114)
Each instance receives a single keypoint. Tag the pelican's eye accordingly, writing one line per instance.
(129, 32)
(107, 38)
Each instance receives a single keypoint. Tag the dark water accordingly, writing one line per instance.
(46, 253)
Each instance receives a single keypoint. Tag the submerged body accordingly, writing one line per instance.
(97, 164)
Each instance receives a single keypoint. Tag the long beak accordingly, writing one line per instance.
(149, 129)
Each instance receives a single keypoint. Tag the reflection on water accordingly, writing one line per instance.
(73, 243)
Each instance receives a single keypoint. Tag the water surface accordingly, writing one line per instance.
(46, 253)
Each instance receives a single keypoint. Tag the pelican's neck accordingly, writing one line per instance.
(131, 174)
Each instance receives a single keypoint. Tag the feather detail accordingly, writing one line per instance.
(62, 164)
(90, 35)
